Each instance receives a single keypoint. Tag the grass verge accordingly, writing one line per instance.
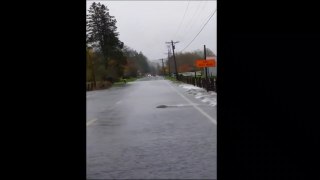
(122, 82)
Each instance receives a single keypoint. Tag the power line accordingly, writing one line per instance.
(193, 17)
(182, 18)
(200, 30)
(192, 22)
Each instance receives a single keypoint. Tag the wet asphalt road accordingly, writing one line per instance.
(129, 138)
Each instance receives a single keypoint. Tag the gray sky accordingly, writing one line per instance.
(146, 25)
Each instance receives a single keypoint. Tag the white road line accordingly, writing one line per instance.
(197, 108)
(91, 121)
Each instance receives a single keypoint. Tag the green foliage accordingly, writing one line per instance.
(173, 79)
(112, 60)
(96, 63)
(102, 35)
(101, 30)
(136, 62)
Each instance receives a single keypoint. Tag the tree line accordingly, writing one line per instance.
(186, 60)
(108, 58)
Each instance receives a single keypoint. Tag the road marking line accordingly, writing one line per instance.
(91, 121)
(197, 108)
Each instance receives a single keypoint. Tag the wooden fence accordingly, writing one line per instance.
(209, 84)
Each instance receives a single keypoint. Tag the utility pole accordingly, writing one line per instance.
(205, 58)
(206, 69)
(169, 68)
(174, 57)
(168, 65)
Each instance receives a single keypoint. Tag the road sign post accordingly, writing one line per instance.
(202, 63)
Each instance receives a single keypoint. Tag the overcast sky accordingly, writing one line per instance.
(146, 25)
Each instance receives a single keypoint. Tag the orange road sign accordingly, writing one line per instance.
(205, 63)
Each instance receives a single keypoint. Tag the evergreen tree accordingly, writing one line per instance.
(101, 32)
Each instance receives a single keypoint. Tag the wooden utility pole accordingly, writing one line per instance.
(206, 69)
(174, 57)
(205, 58)
(169, 52)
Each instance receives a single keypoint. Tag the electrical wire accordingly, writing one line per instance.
(200, 30)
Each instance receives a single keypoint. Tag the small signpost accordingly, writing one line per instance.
(204, 63)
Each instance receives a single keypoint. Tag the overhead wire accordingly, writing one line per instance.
(193, 17)
(200, 30)
(182, 19)
(192, 23)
